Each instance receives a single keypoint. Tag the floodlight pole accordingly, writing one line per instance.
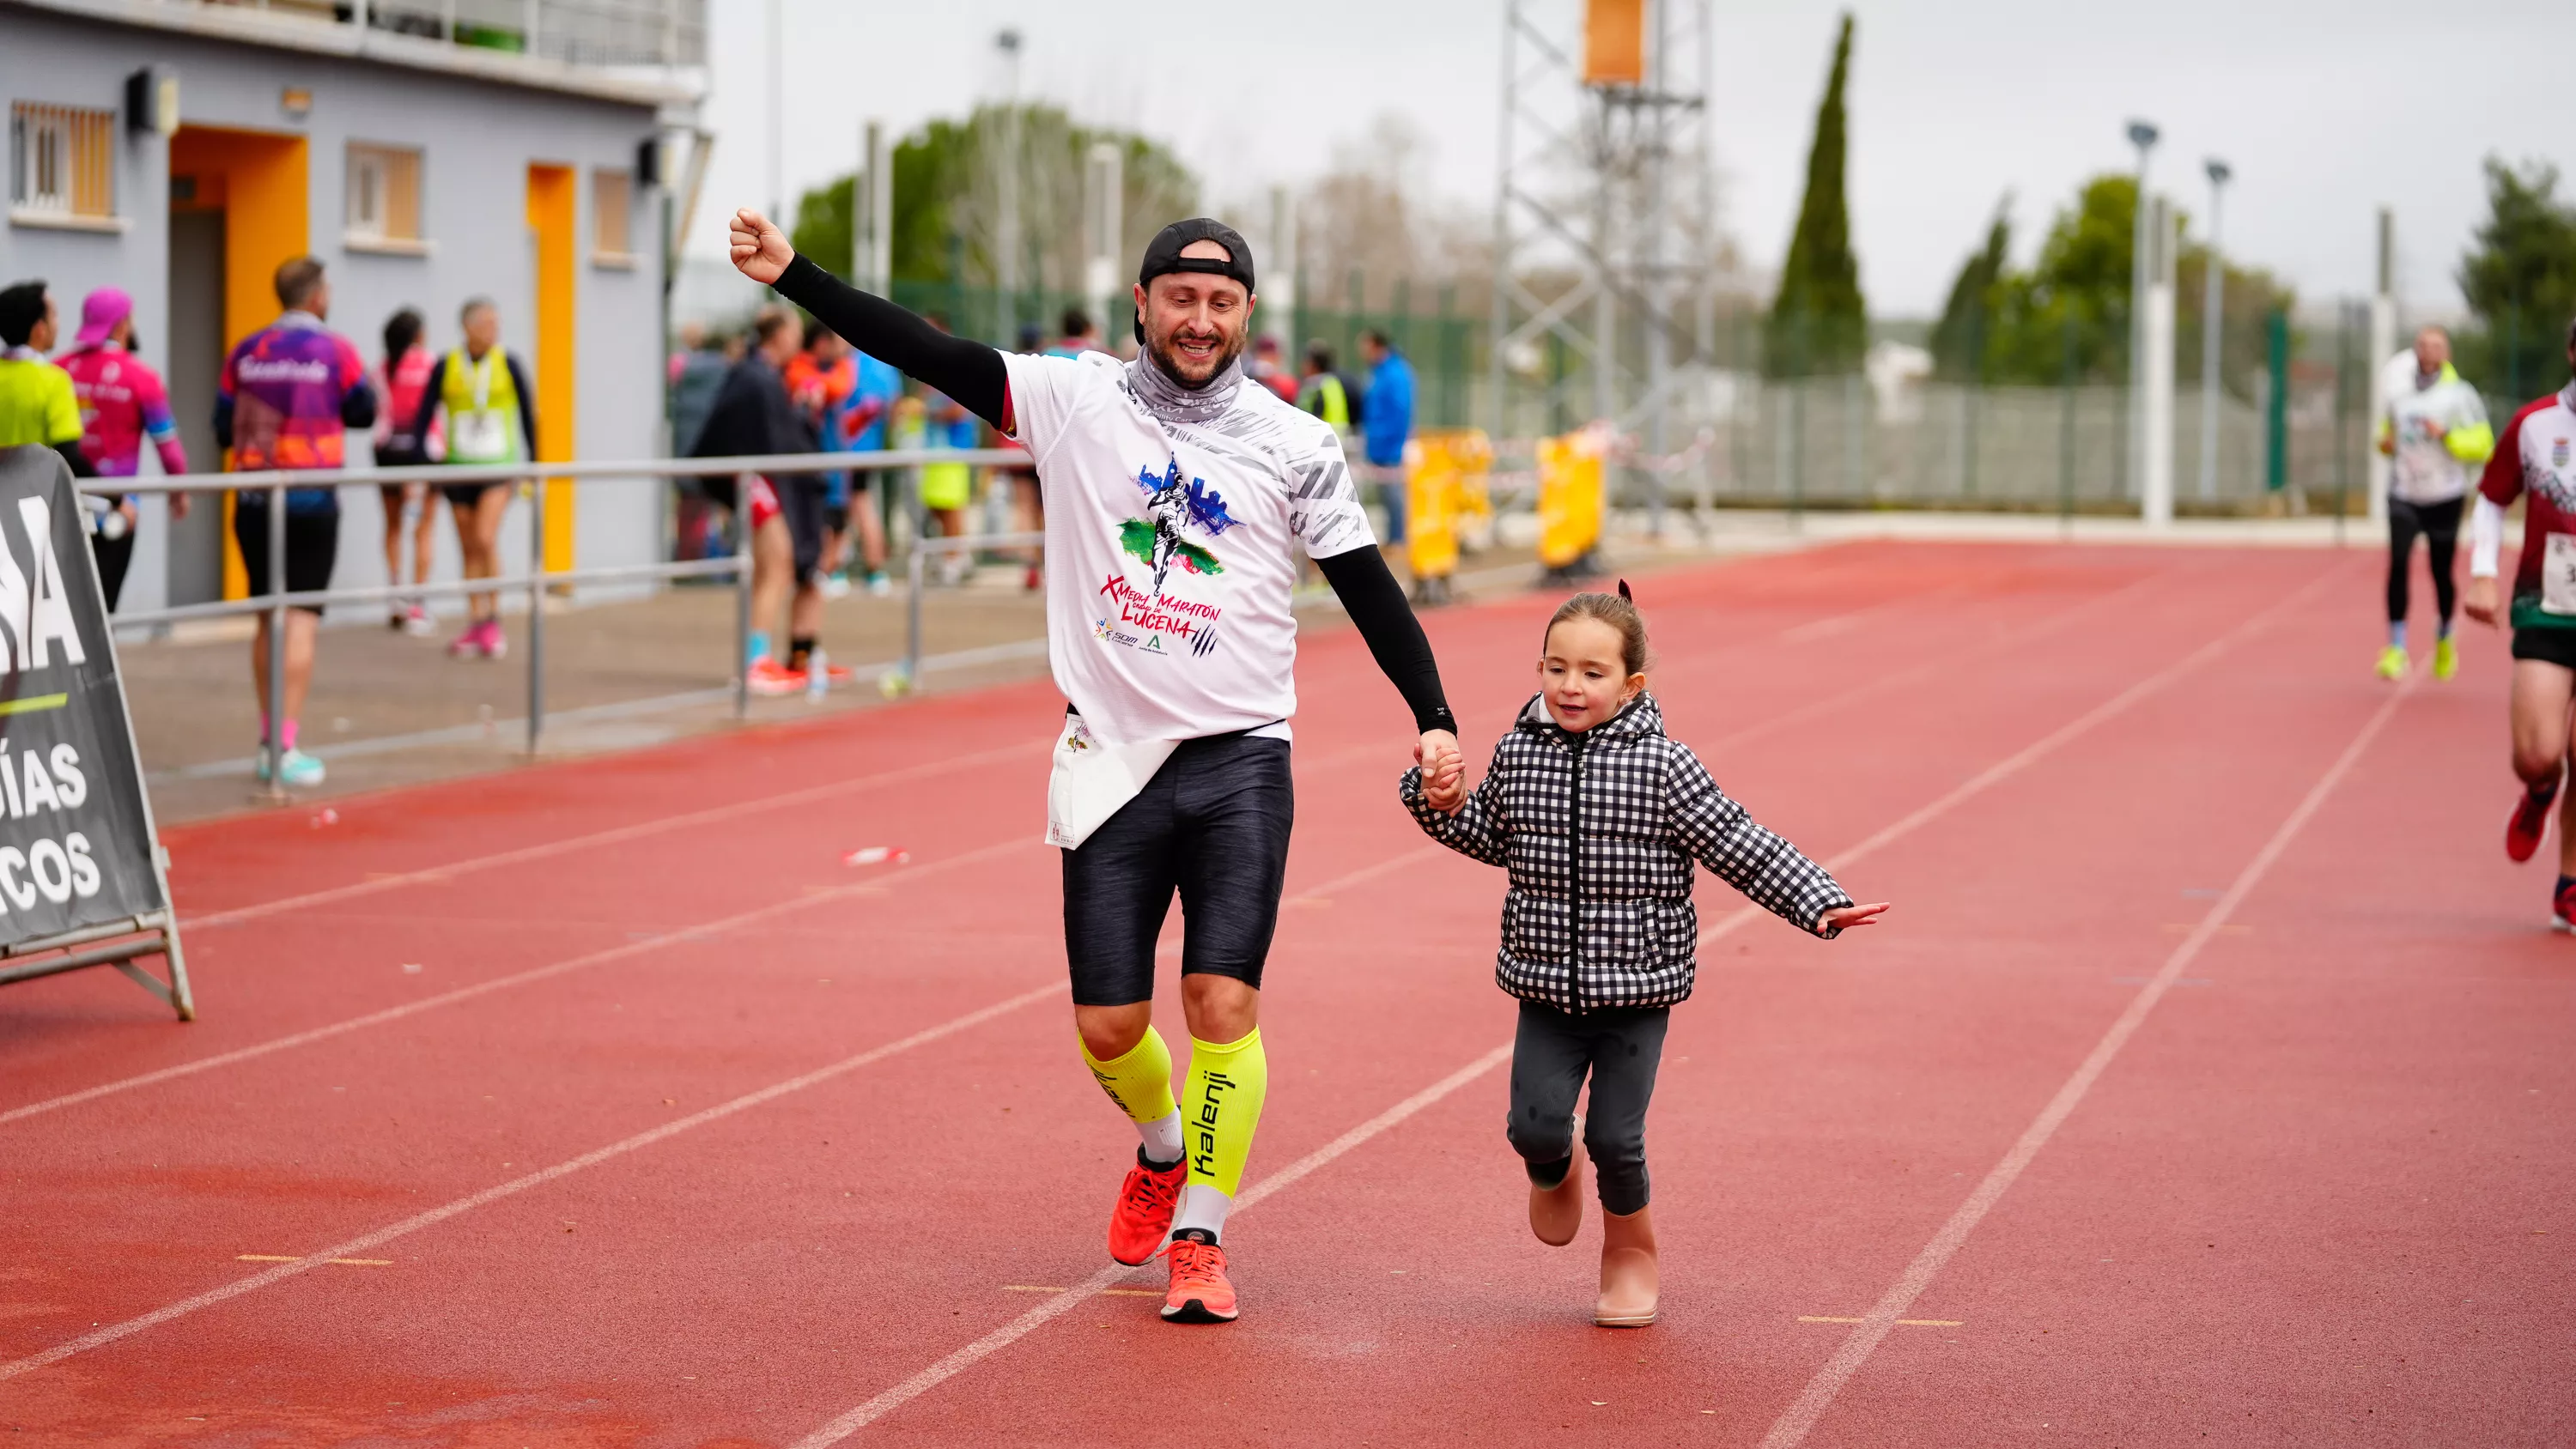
(2142, 134)
(2383, 347)
(1006, 272)
(2213, 308)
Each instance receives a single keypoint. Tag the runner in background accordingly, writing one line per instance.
(402, 380)
(2536, 460)
(823, 382)
(286, 397)
(752, 415)
(2436, 433)
(482, 397)
(122, 402)
(946, 488)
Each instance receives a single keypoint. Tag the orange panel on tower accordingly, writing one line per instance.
(1614, 42)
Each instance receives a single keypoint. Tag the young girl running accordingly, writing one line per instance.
(1598, 815)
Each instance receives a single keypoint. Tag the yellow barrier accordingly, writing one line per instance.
(1570, 497)
(1445, 491)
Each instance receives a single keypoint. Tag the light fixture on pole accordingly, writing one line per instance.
(2213, 315)
(2142, 134)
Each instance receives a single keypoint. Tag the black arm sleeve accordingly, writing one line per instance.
(1375, 602)
(527, 401)
(82, 467)
(961, 367)
(358, 407)
(430, 394)
(223, 420)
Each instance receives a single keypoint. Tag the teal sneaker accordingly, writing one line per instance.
(298, 769)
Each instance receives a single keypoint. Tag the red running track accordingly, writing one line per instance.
(2208, 1084)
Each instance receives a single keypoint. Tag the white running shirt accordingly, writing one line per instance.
(1171, 547)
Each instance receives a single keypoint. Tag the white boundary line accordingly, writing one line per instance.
(1795, 1424)
(568, 965)
(368, 1242)
(2039, 749)
(1074, 1297)
(612, 836)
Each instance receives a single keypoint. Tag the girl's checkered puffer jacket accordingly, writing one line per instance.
(1599, 831)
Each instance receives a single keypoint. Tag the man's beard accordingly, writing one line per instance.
(1169, 362)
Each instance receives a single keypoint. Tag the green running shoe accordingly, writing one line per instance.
(2392, 662)
(2446, 658)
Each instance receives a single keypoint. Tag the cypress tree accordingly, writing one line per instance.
(1962, 336)
(1818, 322)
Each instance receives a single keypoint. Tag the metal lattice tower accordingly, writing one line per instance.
(1605, 212)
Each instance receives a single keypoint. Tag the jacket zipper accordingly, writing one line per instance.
(1574, 947)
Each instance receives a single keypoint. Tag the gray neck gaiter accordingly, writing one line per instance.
(1173, 403)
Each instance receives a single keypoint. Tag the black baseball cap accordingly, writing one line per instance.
(1163, 255)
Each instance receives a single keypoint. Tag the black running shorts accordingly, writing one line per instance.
(312, 547)
(1212, 826)
(2549, 645)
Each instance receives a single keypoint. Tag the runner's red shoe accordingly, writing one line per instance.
(2530, 822)
(1144, 1211)
(1200, 1292)
(769, 677)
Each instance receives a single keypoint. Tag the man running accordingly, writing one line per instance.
(1177, 496)
(2537, 456)
(2434, 433)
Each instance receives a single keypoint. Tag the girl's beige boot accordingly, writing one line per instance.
(1628, 1284)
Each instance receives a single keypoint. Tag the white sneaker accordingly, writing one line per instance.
(417, 623)
(836, 586)
(879, 586)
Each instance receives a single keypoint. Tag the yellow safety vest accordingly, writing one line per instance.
(482, 405)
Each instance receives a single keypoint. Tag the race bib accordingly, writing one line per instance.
(2558, 575)
(478, 437)
(1092, 781)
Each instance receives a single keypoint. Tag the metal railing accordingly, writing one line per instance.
(274, 604)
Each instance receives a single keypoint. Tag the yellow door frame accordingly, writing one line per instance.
(554, 218)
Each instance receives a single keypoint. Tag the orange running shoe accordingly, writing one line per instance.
(1144, 1211)
(769, 677)
(1200, 1292)
(2522, 833)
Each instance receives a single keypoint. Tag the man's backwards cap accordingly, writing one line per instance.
(1163, 256)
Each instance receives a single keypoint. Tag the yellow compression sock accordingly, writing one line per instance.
(1221, 1109)
(1139, 1082)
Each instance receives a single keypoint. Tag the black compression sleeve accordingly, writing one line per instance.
(1375, 602)
(961, 367)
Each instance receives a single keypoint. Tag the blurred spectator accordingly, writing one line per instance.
(946, 488)
(1320, 390)
(285, 398)
(1266, 369)
(697, 374)
(36, 400)
(481, 397)
(122, 402)
(1080, 335)
(871, 407)
(402, 380)
(1386, 415)
(823, 381)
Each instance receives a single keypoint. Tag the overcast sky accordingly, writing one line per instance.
(2326, 109)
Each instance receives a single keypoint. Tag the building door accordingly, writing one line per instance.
(196, 358)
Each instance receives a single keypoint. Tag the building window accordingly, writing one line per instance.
(62, 164)
(612, 217)
(384, 197)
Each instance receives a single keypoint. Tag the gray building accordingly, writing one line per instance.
(428, 151)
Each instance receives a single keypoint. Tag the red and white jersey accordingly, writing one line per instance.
(2537, 456)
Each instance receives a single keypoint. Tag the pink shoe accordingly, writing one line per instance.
(496, 645)
(469, 642)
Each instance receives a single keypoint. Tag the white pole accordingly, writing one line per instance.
(2156, 477)
(2213, 317)
(2383, 342)
(2142, 135)
(1006, 272)
(880, 254)
(1279, 274)
(1104, 177)
(777, 124)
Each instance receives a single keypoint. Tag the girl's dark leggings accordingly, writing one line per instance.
(1618, 1048)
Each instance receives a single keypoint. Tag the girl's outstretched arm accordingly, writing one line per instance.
(1478, 828)
(1721, 835)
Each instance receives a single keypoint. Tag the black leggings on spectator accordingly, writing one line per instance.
(1618, 1048)
(2440, 525)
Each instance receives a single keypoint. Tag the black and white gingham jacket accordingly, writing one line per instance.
(1599, 830)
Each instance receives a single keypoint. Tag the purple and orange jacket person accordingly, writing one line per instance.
(287, 394)
(122, 401)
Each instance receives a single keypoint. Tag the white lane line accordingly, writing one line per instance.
(365, 1243)
(1074, 1297)
(874, 884)
(613, 836)
(2048, 744)
(1794, 1425)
